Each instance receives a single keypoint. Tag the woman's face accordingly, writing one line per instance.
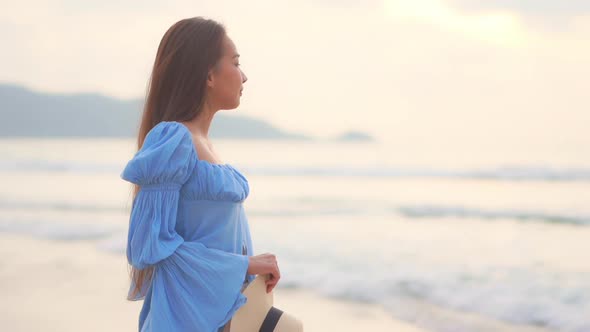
(226, 79)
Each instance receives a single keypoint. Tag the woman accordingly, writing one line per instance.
(189, 242)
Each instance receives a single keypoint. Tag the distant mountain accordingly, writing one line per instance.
(26, 113)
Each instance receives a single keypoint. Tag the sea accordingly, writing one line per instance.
(448, 238)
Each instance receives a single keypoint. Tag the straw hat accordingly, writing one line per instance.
(259, 314)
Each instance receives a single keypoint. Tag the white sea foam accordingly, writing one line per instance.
(504, 173)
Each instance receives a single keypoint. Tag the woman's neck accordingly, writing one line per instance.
(200, 125)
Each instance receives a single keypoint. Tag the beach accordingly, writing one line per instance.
(48, 285)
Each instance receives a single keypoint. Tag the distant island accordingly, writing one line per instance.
(355, 136)
(27, 113)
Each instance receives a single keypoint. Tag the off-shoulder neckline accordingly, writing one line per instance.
(195, 148)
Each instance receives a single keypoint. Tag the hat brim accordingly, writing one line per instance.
(259, 314)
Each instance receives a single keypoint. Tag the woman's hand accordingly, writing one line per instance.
(265, 264)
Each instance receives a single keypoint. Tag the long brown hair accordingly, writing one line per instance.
(177, 87)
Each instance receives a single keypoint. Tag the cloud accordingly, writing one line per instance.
(496, 28)
(547, 11)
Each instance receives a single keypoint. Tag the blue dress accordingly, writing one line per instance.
(187, 221)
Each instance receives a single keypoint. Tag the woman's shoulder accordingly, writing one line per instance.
(170, 133)
(167, 154)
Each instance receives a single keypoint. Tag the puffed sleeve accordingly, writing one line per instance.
(194, 288)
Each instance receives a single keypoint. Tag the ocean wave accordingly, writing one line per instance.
(60, 206)
(504, 173)
(441, 211)
(52, 230)
(33, 165)
(310, 207)
(455, 299)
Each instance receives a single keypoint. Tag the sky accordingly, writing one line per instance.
(445, 71)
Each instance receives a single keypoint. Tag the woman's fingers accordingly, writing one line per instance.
(270, 286)
(266, 264)
(272, 281)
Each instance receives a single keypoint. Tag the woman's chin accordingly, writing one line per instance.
(231, 107)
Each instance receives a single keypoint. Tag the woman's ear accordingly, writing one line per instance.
(211, 78)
